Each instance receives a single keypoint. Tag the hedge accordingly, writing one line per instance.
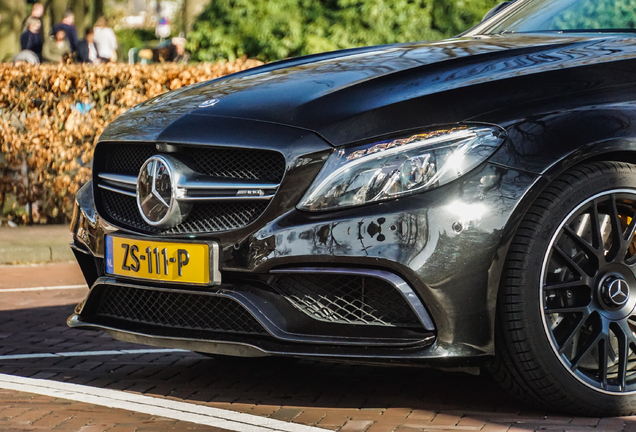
(51, 117)
(277, 29)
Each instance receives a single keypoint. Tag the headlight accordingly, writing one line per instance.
(390, 169)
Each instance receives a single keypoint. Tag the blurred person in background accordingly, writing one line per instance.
(105, 40)
(26, 56)
(30, 40)
(182, 56)
(56, 47)
(36, 13)
(86, 50)
(68, 25)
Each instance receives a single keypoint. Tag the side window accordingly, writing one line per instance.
(597, 14)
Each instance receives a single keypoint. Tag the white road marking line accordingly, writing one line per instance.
(216, 417)
(90, 353)
(47, 288)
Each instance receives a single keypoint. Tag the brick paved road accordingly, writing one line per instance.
(332, 396)
(21, 411)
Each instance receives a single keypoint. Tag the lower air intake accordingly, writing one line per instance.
(347, 299)
(179, 310)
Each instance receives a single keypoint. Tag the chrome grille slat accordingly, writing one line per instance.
(207, 188)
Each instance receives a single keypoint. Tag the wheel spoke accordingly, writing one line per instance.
(583, 282)
(568, 259)
(597, 236)
(631, 230)
(623, 354)
(590, 250)
(617, 232)
(573, 332)
(603, 352)
(568, 309)
(627, 239)
(590, 343)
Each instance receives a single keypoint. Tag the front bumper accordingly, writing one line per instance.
(438, 251)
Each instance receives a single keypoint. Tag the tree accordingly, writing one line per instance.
(98, 9)
(191, 10)
(276, 29)
(82, 17)
(12, 13)
(56, 9)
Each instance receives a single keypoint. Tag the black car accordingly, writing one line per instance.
(463, 203)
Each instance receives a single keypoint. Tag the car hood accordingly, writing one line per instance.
(357, 94)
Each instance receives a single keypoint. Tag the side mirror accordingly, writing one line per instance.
(496, 9)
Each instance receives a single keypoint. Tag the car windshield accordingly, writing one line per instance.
(527, 16)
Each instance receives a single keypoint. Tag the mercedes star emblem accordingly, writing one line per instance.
(614, 291)
(618, 292)
(156, 193)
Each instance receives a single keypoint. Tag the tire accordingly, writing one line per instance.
(565, 314)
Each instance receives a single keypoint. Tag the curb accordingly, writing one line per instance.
(35, 254)
(35, 244)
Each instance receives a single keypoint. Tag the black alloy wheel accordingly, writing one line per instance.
(588, 309)
(566, 309)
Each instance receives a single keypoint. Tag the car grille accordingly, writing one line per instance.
(100, 266)
(127, 158)
(237, 163)
(179, 310)
(217, 162)
(347, 299)
(204, 217)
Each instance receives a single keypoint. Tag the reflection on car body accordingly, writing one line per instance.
(468, 202)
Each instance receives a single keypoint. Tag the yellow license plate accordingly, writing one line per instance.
(156, 260)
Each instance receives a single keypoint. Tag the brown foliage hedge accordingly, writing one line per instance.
(47, 143)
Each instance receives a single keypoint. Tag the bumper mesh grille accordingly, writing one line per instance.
(178, 310)
(100, 266)
(347, 299)
(204, 217)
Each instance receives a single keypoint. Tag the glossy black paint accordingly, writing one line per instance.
(361, 95)
(562, 99)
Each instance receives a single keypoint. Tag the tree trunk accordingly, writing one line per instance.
(191, 10)
(98, 9)
(79, 9)
(56, 9)
(12, 13)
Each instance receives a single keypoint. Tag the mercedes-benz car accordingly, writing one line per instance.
(465, 203)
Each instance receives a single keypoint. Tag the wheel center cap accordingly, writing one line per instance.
(614, 292)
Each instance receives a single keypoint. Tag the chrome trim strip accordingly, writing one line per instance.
(198, 182)
(112, 189)
(399, 284)
(202, 182)
(225, 198)
(119, 178)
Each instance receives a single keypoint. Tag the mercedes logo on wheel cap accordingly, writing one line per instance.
(615, 291)
(156, 193)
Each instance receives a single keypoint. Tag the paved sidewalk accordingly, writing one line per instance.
(35, 244)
